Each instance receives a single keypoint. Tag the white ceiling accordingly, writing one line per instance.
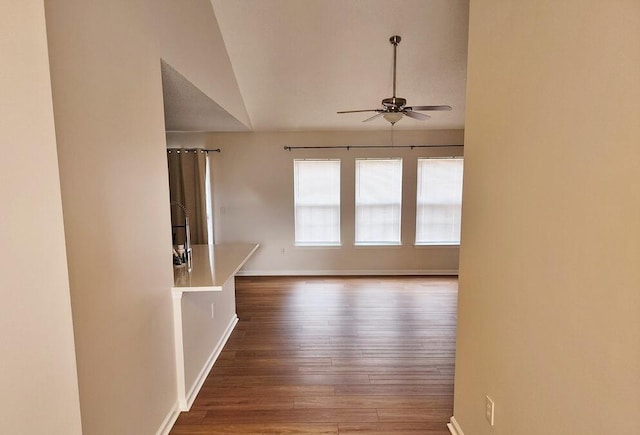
(298, 62)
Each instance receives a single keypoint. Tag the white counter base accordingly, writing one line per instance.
(214, 269)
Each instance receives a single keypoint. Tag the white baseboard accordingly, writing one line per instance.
(195, 388)
(454, 427)
(169, 421)
(374, 272)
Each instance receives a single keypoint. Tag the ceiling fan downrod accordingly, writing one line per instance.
(394, 103)
(394, 40)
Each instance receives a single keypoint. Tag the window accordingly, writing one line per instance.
(378, 201)
(439, 201)
(317, 202)
(208, 194)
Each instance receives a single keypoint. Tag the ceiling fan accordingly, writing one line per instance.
(394, 108)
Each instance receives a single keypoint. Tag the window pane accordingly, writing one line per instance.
(317, 202)
(439, 201)
(378, 201)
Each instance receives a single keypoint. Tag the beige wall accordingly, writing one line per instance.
(189, 39)
(253, 184)
(549, 277)
(107, 97)
(38, 376)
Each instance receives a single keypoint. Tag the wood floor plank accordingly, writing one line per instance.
(255, 403)
(194, 417)
(282, 391)
(411, 414)
(258, 429)
(368, 401)
(333, 355)
(395, 390)
(293, 378)
(413, 428)
(248, 363)
(281, 416)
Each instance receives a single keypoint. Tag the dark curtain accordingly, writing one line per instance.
(187, 178)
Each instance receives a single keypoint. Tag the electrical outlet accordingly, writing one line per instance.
(490, 409)
(213, 310)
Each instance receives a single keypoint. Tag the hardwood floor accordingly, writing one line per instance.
(344, 355)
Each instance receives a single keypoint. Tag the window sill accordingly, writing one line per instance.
(316, 245)
(377, 245)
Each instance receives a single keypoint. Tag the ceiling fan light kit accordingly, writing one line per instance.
(392, 117)
(395, 108)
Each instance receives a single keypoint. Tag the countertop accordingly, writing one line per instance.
(212, 266)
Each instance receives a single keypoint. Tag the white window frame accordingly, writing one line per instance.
(298, 239)
(422, 201)
(209, 200)
(396, 205)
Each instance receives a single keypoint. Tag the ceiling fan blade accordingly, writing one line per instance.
(356, 111)
(447, 108)
(374, 117)
(416, 115)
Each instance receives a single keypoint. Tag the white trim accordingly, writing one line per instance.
(454, 427)
(179, 347)
(202, 376)
(169, 420)
(374, 272)
(436, 244)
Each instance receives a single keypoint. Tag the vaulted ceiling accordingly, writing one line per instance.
(298, 62)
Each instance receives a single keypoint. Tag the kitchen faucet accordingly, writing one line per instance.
(187, 232)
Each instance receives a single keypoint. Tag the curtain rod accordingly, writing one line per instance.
(348, 147)
(217, 150)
